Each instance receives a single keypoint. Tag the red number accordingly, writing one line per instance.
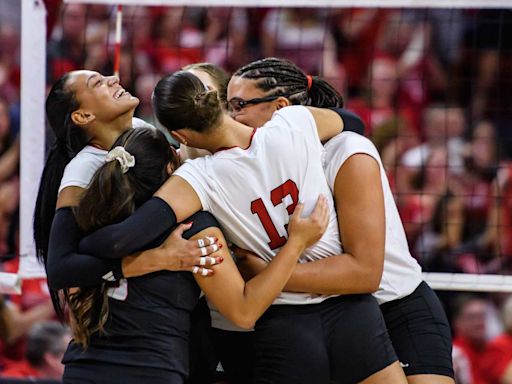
(276, 197)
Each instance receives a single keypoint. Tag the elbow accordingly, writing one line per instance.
(373, 283)
(244, 321)
(373, 278)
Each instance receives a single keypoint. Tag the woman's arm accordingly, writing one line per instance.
(331, 121)
(65, 266)
(243, 303)
(175, 201)
(360, 207)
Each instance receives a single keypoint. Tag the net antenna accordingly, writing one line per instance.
(118, 39)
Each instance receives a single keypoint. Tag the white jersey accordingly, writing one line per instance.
(402, 273)
(253, 191)
(81, 168)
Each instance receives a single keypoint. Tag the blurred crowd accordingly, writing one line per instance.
(433, 87)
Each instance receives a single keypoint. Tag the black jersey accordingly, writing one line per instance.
(149, 318)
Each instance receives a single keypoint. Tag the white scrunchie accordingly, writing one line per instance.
(123, 156)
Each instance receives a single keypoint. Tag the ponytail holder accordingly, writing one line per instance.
(310, 81)
(124, 158)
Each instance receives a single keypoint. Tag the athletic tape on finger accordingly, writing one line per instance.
(195, 269)
(215, 248)
(204, 252)
(200, 242)
(202, 261)
(204, 272)
(213, 260)
(211, 239)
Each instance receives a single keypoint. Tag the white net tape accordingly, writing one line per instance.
(315, 4)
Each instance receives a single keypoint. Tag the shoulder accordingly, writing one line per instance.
(86, 158)
(295, 118)
(346, 144)
(139, 123)
(291, 112)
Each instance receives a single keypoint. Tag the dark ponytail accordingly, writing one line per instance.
(70, 139)
(111, 197)
(181, 100)
(282, 77)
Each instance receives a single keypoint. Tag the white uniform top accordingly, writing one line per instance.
(81, 168)
(402, 273)
(250, 190)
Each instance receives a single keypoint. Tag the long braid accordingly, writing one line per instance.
(282, 77)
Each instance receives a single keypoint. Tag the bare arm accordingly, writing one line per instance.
(243, 303)
(328, 122)
(180, 196)
(360, 207)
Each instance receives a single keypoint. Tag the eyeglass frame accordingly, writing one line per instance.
(257, 100)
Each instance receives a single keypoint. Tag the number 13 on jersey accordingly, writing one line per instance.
(277, 195)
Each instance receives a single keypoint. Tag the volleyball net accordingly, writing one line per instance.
(431, 79)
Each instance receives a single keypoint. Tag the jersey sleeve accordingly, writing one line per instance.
(80, 170)
(65, 265)
(342, 147)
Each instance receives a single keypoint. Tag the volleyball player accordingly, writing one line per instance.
(371, 230)
(87, 112)
(143, 336)
(252, 184)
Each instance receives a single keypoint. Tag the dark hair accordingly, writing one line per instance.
(42, 338)
(218, 75)
(181, 100)
(69, 140)
(111, 197)
(282, 77)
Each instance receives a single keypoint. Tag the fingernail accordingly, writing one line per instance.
(221, 259)
(220, 245)
(189, 223)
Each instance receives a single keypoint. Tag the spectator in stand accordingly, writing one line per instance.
(381, 101)
(443, 127)
(392, 139)
(9, 184)
(498, 234)
(469, 325)
(66, 51)
(177, 39)
(225, 37)
(304, 37)
(497, 359)
(9, 62)
(46, 343)
(356, 31)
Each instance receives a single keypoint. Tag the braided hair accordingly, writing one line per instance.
(282, 77)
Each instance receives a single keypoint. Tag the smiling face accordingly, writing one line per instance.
(102, 99)
(253, 115)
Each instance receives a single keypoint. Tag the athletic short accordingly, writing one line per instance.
(341, 340)
(420, 333)
(92, 372)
